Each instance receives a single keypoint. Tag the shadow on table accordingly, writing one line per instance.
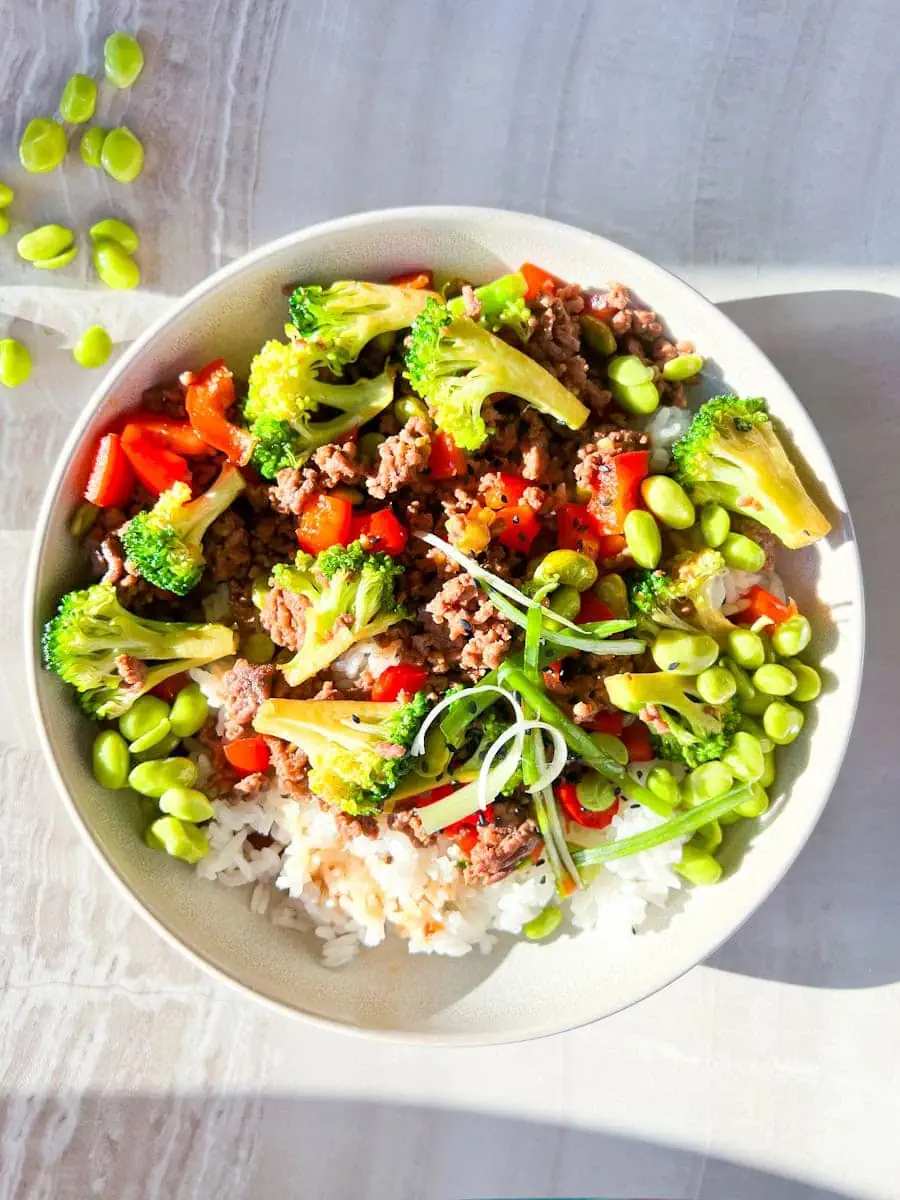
(245, 1147)
(835, 919)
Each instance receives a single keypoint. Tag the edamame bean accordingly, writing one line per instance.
(122, 155)
(742, 553)
(791, 637)
(154, 778)
(595, 793)
(685, 366)
(47, 241)
(123, 59)
(774, 680)
(715, 524)
(43, 146)
(682, 653)
(698, 867)
(4, 223)
(768, 776)
(115, 268)
(782, 722)
(716, 685)
(93, 348)
(189, 711)
(809, 684)
(113, 230)
(368, 446)
(110, 760)
(259, 648)
(15, 363)
(83, 519)
(161, 750)
(7, 195)
(744, 688)
(568, 566)
(612, 591)
(643, 539)
(663, 784)
(668, 501)
(437, 754)
(708, 837)
(596, 335)
(408, 407)
(746, 648)
(91, 145)
(152, 737)
(565, 602)
(544, 924)
(180, 839)
(755, 804)
(631, 383)
(79, 99)
(59, 260)
(744, 758)
(706, 781)
(612, 747)
(145, 714)
(186, 803)
(259, 589)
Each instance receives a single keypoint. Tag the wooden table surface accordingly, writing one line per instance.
(753, 146)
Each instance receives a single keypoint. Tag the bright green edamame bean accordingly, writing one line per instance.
(744, 758)
(565, 602)
(774, 680)
(612, 747)
(809, 684)
(755, 804)
(186, 803)
(259, 589)
(631, 383)
(744, 688)
(663, 784)
(596, 335)
(716, 685)
(115, 268)
(7, 195)
(43, 146)
(152, 737)
(791, 637)
(154, 778)
(59, 260)
(91, 145)
(643, 539)
(408, 407)
(161, 750)
(110, 760)
(122, 155)
(180, 839)
(715, 524)
(79, 99)
(612, 591)
(189, 711)
(706, 781)
(83, 519)
(685, 366)
(682, 653)
(4, 223)
(544, 924)
(782, 722)
(259, 648)
(768, 776)
(698, 866)
(569, 567)
(47, 241)
(595, 793)
(368, 446)
(123, 59)
(15, 363)
(145, 714)
(93, 348)
(756, 705)
(113, 230)
(742, 553)
(708, 837)
(668, 501)
(746, 648)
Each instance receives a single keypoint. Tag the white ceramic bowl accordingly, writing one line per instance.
(522, 990)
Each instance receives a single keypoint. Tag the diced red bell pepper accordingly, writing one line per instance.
(761, 603)
(248, 754)
(484, 816)
(575, 529)
(210, 394)
(606, 722)
(638, 742)
(467, 840)
(111, 481)
(610, 544)
(169, 688)
(593, 609)
(630, 469)
(466, 825)
(402, 677)
(414, 279)
(325, 521)
(508, 490)
(179, 436)
(538, 281)
(446, 460)
(516, 527)
(552, 674)
(567, 798)
(598, 307)
(155, 465)
(380, 531)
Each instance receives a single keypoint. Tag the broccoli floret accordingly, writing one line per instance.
(684, 597)
(93, 642)
(358, 751)
(165, 543)
(350, 595)
(284, 393)
(342, 319)
(731, 454)
(502, 305)
(684, 729)
(488, 729)
(455, 364)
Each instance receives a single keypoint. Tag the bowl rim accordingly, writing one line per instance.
(208, 286)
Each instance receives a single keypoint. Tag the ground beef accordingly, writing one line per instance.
(593, 468)
(586, 691)
(534, 446)
(283, 617)
(472, 623)
(330, 466)
(402, 459)
(166, 399)
(555, 343)
(273, 539)
(246, 686)
(409, 822)
(131, 669)
(498, 851)
(356, 826)
(759, 534)
(471, 303)
(250, 784)
(222, 778)
(226, 548)
(112, 556)
(290, 764)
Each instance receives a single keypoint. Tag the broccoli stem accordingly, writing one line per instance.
(493, 296)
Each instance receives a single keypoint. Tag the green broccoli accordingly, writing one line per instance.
(93, 643)
(731, 454)
(684, 729)
(455, 364)
(165, 543)
(681, 597)
(358, 750)
(350, 596)
(491, 726)
(342, 319)
(502, 305)
(284, 393)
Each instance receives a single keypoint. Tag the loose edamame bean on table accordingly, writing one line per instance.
(115, 268)
(746, 648)
(190, 709)
(58, 260)
(91, 145)
(716, 685)
(791, 637)
(809, 684)
(715, 524)
(685, 366)
(123, 59)
(774, 680)
(47, 241)
(79, 99)
(544, 924)
(4, 223)
(15, 363)
(154, 778)
(643, 538)
(742, 553)
(7, 195)
(122, 155)
(186, 803)
(682, 653)
(110, 760)
(93, 348)
(570, 567)
(668, 501)
(782, 722)
(43, 146)
(113, 230)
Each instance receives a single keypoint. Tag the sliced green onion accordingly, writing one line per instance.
(533, 624)
(556, 827)
(418, 746)
(591, 644)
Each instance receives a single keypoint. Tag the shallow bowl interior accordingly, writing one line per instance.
(523, 990)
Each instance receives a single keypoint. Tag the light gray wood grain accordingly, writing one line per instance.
(752, 145)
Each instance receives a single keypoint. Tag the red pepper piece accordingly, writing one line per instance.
(179, 436)
(325, 521)
(763, 604)
(575, 529)
(380, 531)
(593, 609)
(210, 394)
(567, 798)
(155, 466)
(630, 470)
(111, 481)
(248, 754)
(402, 677)
(423, 280)
(516, 527)
(508, 490)
(638, 742)
(538, 281)
(611, 723)
(169, 688)
(446, 460)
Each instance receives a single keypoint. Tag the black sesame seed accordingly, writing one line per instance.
(355, 719)
(673, 666)
(515, 520)
(466, 626)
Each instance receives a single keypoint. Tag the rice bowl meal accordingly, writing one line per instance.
(454, 620)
